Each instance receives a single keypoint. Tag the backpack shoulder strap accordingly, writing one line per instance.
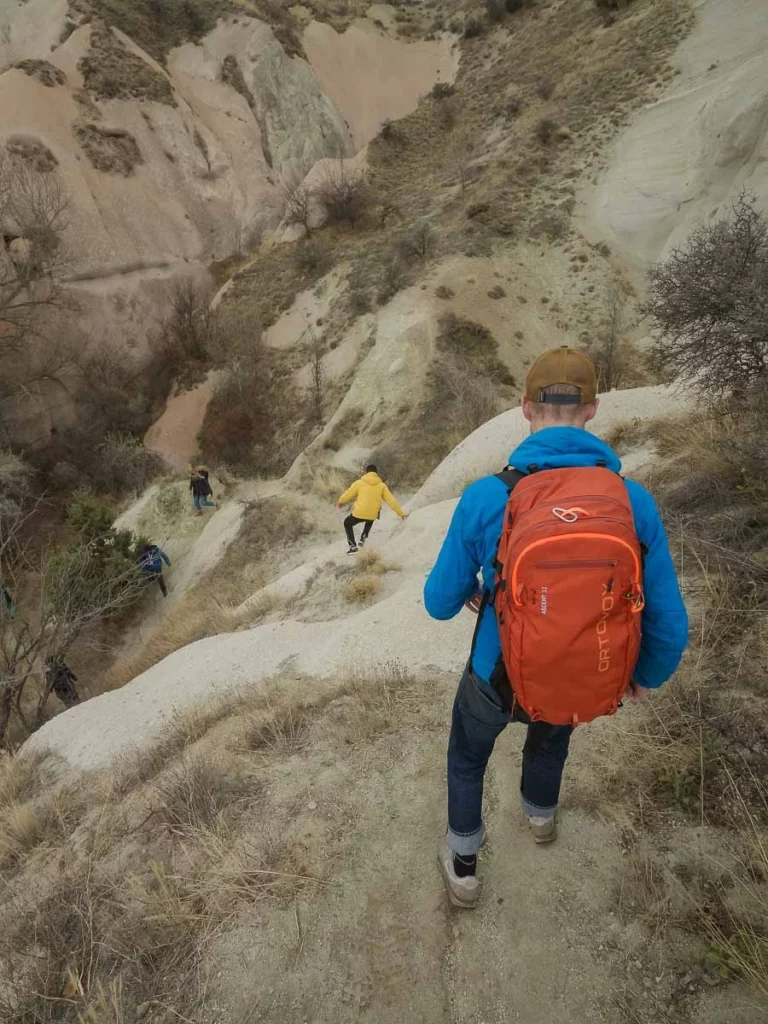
(510, 478)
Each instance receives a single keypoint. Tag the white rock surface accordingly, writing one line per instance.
(396, 627)
(486, 450)
(686, 156)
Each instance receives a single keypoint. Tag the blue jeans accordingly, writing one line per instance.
(478, 718)
(199, 500)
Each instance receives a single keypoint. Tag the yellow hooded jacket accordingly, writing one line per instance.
(369, 492)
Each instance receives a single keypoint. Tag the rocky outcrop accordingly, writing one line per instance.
(687, 156)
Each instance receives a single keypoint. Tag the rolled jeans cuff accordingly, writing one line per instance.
(537, 812)
(466, 845)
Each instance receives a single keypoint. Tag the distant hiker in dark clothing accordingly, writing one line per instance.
(201, 490)
(151, 561)
(60, 679)
(368, 493)
(7, 604)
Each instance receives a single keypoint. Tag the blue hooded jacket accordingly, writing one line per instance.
(152, 558)
(471, 542)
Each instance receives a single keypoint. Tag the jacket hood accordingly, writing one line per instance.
(559, 447)
(371, 478)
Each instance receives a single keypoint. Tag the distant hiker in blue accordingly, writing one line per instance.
(560, 399)
(151, 560)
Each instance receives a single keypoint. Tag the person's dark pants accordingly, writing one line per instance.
(350, 522)
(157, 574)
(478, 718)
(66, 693)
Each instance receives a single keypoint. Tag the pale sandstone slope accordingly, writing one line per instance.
(686, 156)
(324, 639)
(213, 168)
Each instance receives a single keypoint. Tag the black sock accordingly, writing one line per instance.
(464, 866)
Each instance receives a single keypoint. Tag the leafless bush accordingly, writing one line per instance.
(620, 363)
(467, 399)
(545, 130)
(343, 193)
(314, 350)
(187, 333)
(65, 593)
(125, 465)
(312, 257)
(394, 276)
(708, 304)
(546, 88)
(612, 5)
(461, 154)
(418, 243)
(495, 9)
(298, 207)
(32, 218)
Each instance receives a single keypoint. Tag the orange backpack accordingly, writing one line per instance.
(568, 593)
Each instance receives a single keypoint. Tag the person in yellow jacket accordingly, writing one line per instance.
(368, 493)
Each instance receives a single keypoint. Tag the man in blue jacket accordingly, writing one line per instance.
(560, 400)
(151, 559)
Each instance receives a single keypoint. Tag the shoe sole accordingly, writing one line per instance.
(454, 899)
(544, 840)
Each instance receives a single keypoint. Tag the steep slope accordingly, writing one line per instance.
(170, 167)
(322, 638)
(689, 153)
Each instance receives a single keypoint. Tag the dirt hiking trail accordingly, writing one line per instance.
(379, 942)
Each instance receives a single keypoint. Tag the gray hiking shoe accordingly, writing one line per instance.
(544, 829)
(352, 550)
(361, 542)
(462, 892)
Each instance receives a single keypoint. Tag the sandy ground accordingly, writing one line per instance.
(379, 943)
(174, 435)
(687, 155)
(371, 77)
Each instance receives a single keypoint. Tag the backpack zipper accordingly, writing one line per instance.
(554, 540)
(603, 563)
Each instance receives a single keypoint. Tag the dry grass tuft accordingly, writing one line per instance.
(19, 779)
(192, 793)
(645, 893)
(371, 560)
(279, 732)
(328, 481)
(362, 588)
(20, 831)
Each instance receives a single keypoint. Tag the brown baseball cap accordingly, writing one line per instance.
(562, 366)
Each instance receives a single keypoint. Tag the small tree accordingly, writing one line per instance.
(32, 208)
(609, 349)
(65, 591)
(462, 152)
(343, 193)
(298, 207)
(316, 374)
(708, 304)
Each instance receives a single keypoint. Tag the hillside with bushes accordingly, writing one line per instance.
(280, 242)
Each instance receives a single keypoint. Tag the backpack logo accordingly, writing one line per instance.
(604, 651)
(569, 515)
